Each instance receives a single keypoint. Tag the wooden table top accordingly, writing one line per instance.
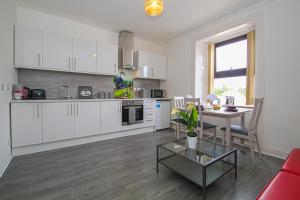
(223, 113)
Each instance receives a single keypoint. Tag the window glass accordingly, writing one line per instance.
(232, 86)
(231, 56)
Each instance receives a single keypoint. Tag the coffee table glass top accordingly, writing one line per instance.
(206, 152)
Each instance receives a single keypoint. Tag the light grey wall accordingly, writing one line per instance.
(52, 82)
(144, 83)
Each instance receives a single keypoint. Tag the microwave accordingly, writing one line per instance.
(155, 93)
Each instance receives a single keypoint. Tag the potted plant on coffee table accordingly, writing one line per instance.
(189, 118)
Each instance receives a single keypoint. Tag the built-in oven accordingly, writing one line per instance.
(132, 112)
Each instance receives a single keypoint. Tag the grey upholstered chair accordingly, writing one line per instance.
(249, 134)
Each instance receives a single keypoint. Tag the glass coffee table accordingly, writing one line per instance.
(203, 165)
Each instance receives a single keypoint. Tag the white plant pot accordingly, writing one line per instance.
(192, 142)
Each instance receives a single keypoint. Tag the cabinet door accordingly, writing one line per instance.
(107, 58)
(159, 67)
(28, 47)
(87, 119)
(84, 55)
(58, 121)
(57, 51)
(111, 116)
(26, 124)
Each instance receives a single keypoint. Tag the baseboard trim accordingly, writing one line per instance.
(275, 153)
(6, 166)
(77, 141)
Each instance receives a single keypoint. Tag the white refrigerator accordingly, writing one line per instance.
(163, 114)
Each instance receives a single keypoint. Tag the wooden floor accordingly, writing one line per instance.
(122, 169)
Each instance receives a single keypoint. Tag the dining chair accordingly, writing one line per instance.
(179, 102)
(202, 127)
(179, 128)
(249, 134)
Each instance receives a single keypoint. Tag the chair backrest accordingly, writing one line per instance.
(197, 103)
(258, 104)
(179, 102)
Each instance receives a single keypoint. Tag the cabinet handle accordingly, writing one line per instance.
(68, 110)
(152, 72)
(69, 62)
(39, 59)
(74, 63)
(38, 110)
(71, 109)
(77, 109)
(120, 107)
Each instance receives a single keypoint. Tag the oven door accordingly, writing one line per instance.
(132, 115)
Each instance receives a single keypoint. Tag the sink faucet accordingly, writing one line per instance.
(68, 91)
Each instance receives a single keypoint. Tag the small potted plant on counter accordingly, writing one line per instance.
(189, 118)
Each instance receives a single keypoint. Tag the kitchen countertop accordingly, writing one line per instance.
(84, 100)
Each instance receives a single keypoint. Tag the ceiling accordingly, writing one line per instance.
(179, 15)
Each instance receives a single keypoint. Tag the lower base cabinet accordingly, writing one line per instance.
(87, 119)
(58, 121)
(111, 116)
(26, 124)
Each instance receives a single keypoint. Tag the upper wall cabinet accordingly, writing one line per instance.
(57, 51)
(152, 66)
(84, 55)
(28, 47)
(52, 51)
(107, 58)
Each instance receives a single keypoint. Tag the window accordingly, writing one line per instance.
(230, 68)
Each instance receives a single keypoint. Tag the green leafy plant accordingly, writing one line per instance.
(189, 118)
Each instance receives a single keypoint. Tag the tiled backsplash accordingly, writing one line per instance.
(52, 82)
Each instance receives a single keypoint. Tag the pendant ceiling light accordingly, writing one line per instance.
(154, 7)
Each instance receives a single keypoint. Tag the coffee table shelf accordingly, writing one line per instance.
(203, 166)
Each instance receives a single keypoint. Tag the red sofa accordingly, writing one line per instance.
(286, 184)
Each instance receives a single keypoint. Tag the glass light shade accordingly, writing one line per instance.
(154, 7)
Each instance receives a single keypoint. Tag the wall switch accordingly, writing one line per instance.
(2, 86)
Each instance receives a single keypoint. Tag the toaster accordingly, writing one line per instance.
(37, 94)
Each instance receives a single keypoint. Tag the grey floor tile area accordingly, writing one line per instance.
(123, 169)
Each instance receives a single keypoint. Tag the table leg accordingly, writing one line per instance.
(243, 120)
(204, 183)
(177, 130)
(228, 132)
(235, 164)
(157, 154)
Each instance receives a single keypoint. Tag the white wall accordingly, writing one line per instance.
(277, 43)
(7, 76)
(144, 45)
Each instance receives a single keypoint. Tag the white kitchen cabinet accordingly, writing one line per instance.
(149, 113)
(58, 121)
(28, 47)
(111, 116)
(87, 118)
(152, 66)
(57, 51)
(107, 62)
(26, 124)
(84, 55)
(159, 67)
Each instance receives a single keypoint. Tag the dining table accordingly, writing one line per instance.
(228, 116)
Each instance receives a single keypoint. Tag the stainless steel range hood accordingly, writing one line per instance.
(126, 50)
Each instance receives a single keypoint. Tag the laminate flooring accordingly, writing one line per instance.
(123, 169)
